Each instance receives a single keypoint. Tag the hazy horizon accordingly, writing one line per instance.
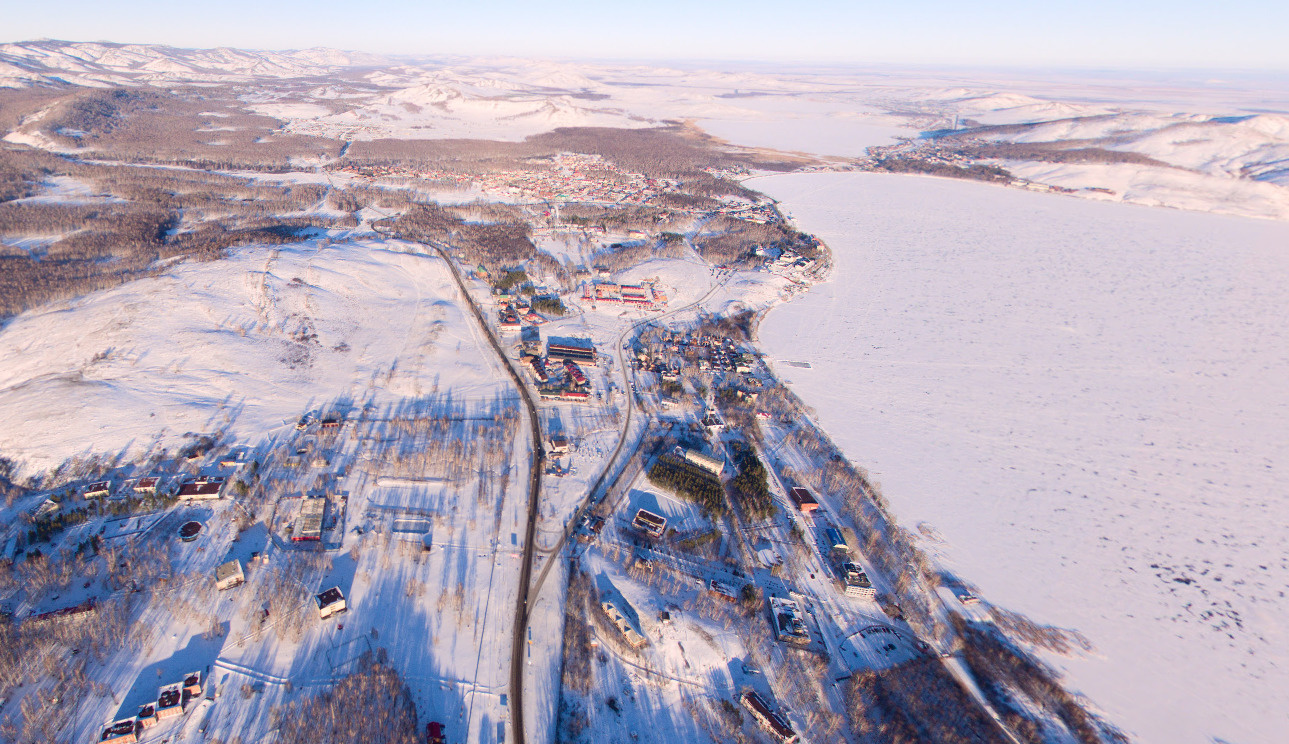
(1088, 36)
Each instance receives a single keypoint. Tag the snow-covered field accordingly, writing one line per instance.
(243, 345)
(1085, 406)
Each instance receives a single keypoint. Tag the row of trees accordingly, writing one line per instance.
(749, 487)
(372, 705)
(974, 172)
(690, 482)
(1003, 670)
(917, 703)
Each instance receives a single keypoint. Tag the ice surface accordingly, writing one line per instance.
(1089, 403)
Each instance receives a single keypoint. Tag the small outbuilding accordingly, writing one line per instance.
(229, 575)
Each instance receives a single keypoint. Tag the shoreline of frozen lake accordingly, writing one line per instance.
(1087, 401)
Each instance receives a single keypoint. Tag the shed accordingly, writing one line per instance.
(229, 575)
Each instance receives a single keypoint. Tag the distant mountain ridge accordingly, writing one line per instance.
(102, 64)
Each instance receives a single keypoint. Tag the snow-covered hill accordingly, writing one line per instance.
(244, 345)
(1217, 145)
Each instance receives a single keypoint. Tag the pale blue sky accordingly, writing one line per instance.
(1244, 34)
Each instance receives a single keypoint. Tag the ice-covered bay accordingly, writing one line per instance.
(1090, 405)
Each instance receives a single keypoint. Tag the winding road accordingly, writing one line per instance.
(528, 590)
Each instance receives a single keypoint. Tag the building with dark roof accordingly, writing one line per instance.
(170, 701)
(804, 500)
(120, 731)
(331, 602)
(200, 489)
(649, 523)
(229, 575)
(574, 349)
(771, 721)
(97, 489)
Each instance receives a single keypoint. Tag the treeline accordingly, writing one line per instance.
(917, 703)
(549, 305)
(1055, 152)
(369, 706)
(619, 256)
(494, 245)
(661, 152)
(728, 240)
(975, 172)
(749, 486)
(618, 217)
(1001, 668)
(690, 482)
(139, 217)
(578, 672)
(149, 125)
(658, 151)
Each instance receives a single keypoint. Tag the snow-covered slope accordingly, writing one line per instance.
(1086, 403)
(1218, 145)
(242, 345)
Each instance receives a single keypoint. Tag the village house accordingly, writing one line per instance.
(331, 602)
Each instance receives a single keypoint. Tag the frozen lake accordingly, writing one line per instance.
(1089, 404)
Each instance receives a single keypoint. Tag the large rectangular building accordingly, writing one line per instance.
(804, 500)
(773, 723)
(789, 622)
(633, 637)
(711, 464)
(574, 349)
(649, 523)
(857, 581)
(308, 525)
(200, 489)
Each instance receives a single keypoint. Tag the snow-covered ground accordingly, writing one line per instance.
(1087, 404)
(243, 345)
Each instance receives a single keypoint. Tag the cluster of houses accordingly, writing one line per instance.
(565, 380)
(581, 178)
(172, 699)
(782, 261)
(513, 312)
(677, 350)
(854, 579)
(201, 487)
